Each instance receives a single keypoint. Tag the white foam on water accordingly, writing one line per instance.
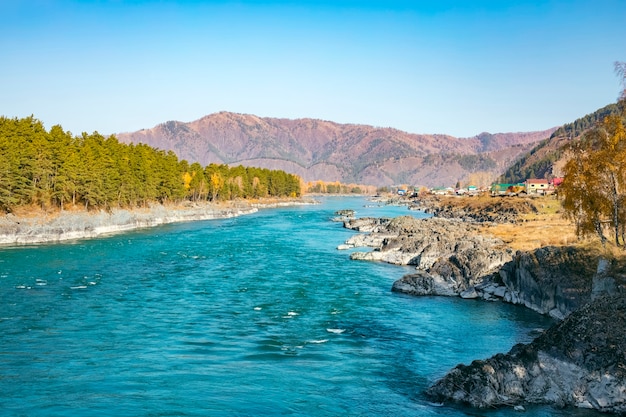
(79, 287)
(336, 331)
(292, 313)
(258, 308)
(318, 341)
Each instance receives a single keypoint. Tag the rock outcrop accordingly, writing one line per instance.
(579, 362)
(450, 255)
(551, 280)
(476, 209)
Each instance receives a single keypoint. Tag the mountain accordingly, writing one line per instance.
(324, 150)
(548, 156)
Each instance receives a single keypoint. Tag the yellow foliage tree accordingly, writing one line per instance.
(187, 180)
(216, 183)
(594, 186)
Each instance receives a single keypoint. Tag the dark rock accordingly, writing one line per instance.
(422, 283)
(551, 280)
(343, 215)
(579, 362)
(451, 253)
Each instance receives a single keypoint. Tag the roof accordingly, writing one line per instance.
(536, 181)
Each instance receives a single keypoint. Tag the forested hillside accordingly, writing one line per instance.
(539, 162)
(53, 169)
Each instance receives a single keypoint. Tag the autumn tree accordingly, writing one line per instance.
(594, 186)
(53, 169)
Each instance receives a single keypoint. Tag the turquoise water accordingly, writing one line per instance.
(257, 315)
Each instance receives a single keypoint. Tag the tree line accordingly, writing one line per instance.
(53, 169)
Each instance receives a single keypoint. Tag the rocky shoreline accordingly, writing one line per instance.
(579, 362)
(71, 225)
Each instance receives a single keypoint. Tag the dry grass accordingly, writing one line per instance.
(485, 202)
(547, 227)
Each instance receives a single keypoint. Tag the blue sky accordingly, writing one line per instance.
(454, 67)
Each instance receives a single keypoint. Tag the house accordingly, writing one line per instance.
(502, 189)
(538, 186)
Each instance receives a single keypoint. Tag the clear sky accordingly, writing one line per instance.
(457, 67)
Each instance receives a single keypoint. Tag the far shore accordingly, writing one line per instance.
(38, 226)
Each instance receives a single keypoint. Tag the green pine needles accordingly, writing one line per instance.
(53, 169)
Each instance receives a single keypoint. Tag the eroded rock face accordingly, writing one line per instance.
(80, 225)
(579, 362)
(450, 255)
(550, 280)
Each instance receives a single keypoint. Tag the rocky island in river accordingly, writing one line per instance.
(579, 362)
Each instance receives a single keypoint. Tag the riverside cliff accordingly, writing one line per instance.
(579, 362)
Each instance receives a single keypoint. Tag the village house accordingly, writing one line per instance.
(507, 189)
(537, 186)
(542, 186)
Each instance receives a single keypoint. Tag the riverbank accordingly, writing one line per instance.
(582, 285)
(523, 223)
(32, 227)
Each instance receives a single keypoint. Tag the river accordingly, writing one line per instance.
(249, 316)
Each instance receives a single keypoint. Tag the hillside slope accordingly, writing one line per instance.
(323, 150)
(548, 157)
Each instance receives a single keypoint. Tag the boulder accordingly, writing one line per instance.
(422, 283)
(366, 224)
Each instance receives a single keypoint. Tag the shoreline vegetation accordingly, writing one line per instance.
(25, 227)
(53, 170)
(55, 186)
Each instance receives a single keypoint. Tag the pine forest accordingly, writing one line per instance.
(53, 169)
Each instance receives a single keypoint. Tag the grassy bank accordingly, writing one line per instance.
(544, 226)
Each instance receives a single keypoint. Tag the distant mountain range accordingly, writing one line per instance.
(349, 153)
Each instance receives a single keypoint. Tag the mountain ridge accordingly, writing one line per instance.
(548, 157)
(318, 149)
